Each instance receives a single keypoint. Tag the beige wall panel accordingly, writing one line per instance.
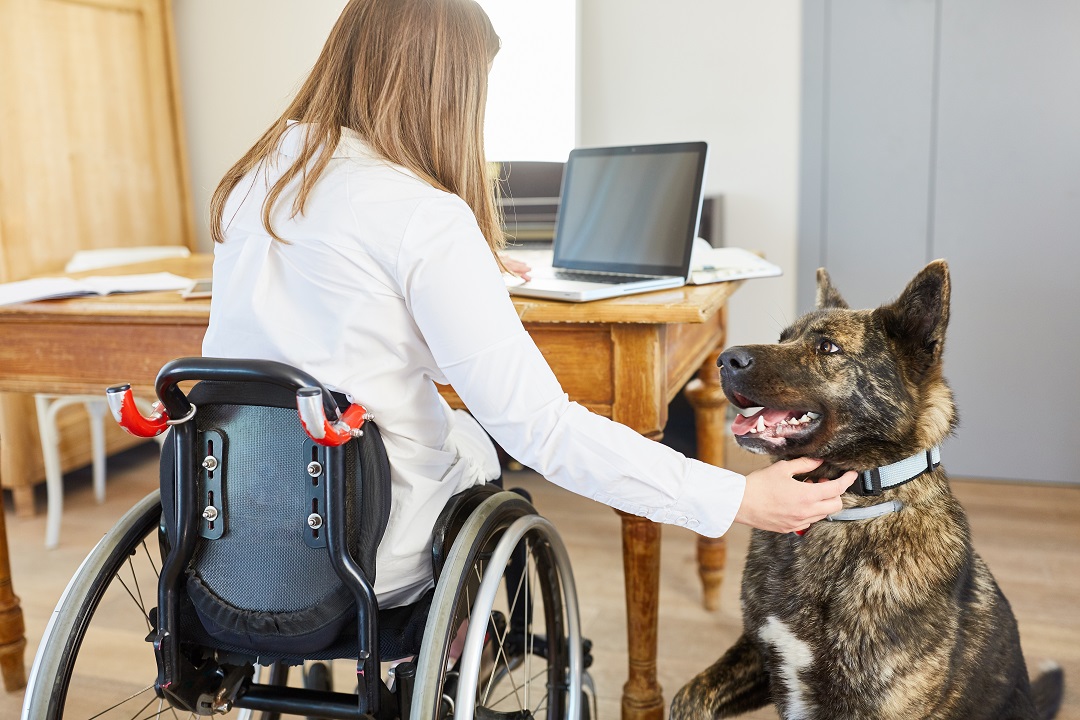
(91, 156)
(97, 154)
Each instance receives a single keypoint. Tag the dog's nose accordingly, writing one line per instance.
(736, 358)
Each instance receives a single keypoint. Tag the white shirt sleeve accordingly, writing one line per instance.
(456, 295)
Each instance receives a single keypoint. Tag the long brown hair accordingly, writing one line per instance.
(410, 76)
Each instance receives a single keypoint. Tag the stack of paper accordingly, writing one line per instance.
(63, 287)
(709, 265)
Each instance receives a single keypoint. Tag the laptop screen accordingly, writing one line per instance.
(630, 209)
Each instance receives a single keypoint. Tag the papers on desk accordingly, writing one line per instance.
(709, 264)
(63, 287)
(98, 258)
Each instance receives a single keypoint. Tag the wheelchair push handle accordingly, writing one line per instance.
(319, 414)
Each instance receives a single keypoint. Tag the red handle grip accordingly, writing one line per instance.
(312, 416)
(122, 405)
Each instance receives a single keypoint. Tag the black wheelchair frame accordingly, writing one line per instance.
(481, 536)
(178, 678)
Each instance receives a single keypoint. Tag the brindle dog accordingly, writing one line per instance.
(890, 613)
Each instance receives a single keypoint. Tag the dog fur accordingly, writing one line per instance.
(893, 617)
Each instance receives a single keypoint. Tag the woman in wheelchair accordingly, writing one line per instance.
(356, 264)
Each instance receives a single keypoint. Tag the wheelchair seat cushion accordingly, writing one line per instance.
(260, 586)
(401, 630)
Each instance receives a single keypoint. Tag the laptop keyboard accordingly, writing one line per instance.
(597, 277)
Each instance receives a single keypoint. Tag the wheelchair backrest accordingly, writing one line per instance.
(261, 578)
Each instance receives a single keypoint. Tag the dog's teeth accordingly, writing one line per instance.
(813, 415)
(750, 411)
(760, 424)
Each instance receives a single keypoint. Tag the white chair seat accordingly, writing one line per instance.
(49, 405)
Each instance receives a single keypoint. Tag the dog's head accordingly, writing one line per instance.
(859, 388)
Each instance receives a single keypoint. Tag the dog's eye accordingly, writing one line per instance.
(828, 347)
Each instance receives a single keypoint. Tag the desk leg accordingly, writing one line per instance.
(12, 629)
(642, 697)
(707, 398)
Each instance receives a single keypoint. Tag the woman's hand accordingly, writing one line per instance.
(516, 267)
(776, 501)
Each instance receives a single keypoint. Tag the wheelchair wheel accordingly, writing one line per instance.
(105, 610)
(507, 588)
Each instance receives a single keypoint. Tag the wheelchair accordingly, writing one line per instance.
(243, 586)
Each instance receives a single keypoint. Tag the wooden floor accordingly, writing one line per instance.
(1029, 535)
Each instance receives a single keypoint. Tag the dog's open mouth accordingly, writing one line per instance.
(770, 424)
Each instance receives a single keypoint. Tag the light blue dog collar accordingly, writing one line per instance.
(872, 482)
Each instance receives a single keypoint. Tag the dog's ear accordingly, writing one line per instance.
(827, 295)
(918, 318)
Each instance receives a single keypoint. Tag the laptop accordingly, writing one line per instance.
(626, 223)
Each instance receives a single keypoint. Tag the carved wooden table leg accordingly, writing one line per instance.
(711, 558)
(12, 629)
(707, 398)
(642, 695)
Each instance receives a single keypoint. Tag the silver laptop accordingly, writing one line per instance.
(626, 222)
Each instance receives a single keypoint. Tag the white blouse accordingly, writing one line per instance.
(384, 288)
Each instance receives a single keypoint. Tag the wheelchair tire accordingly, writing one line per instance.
(510, 666)
(107, 600)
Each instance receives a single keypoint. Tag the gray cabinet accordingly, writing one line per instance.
(951, 128)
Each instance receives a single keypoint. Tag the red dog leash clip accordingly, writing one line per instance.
(309, 404)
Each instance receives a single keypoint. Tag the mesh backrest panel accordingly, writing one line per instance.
(262, 562)
(260, 586)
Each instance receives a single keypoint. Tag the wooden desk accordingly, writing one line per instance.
(624, 358)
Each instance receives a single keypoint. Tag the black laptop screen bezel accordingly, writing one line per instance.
(680, 270)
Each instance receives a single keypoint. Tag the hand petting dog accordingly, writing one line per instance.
(774, 500)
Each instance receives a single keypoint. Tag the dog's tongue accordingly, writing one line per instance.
(744, 424)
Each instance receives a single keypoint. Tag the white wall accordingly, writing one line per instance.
(724, 71)
(531, 88)
(240, 62)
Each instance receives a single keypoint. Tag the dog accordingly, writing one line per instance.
(884, 611)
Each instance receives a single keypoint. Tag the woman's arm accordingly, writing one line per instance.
(457, 297)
